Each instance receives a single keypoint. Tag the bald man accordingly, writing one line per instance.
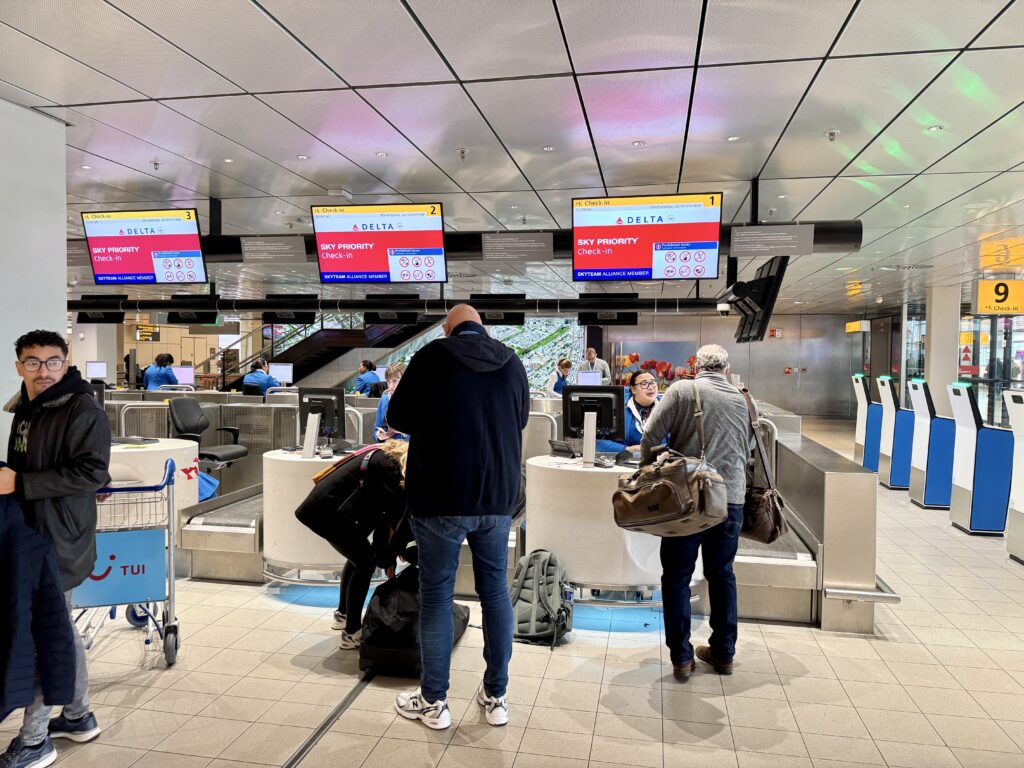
(464, 402)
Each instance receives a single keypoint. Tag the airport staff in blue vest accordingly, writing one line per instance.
(643, 397)
(367, 377)
(160, 373)
(559, 378)
(259, 376)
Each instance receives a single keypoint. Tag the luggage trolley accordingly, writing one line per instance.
(134, 563)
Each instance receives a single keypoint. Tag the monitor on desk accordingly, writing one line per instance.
(607, 402)
(589, 378)
(283, 372)
(329, 402)
(96, 369)
(185, 374)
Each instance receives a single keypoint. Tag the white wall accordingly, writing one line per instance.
(93, 341)
(33, 205)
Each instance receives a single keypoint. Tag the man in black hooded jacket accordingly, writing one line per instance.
(464, 401)
(58, 456)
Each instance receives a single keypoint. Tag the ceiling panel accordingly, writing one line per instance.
(516, 210)
(559, 202)
(752, 103)
(554, 119)
(977, 88)
(344, 121)
(87, 30)
(783, 199)
(229, 33)
(1008, 29)
(648, 34)
(253, 124)
(260, 214)
(461, 211)
(856, 97)
(918, 25)
(495, 39)
(305, 202)
(919, 196)
(135, 185)
(367, 43)
(733, 193)
(847, 198)
(766, 30)
(994, 149)
(440, 120)
(638, 106)
(16, 95)
(992, 202)
(28, 64)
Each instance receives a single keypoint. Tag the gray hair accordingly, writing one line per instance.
(712, 357)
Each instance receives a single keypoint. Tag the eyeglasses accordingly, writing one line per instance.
(33, 364)
(647, 384)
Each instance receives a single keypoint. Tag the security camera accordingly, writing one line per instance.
(724, 309)
(832, 135)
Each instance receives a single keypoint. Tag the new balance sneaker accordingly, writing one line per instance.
(495, 707)
(41, 755)
(340, 620)
(413, 706)
(350, 642)
(81, 730)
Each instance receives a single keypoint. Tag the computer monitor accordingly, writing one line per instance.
(185, 374)
(607, 402)
(329, 402)
(589, 378)
(96, 369)
(283, 372)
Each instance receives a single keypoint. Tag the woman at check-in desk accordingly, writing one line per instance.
(643, 397)
(559, 377)
(381, 430)
(367, 376)
(259, 376)
(160, 373)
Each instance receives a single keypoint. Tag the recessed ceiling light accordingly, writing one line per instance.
(782, 197)
(799, 302)
(381, 154)
(732, 138)
(877, 251)
(548, 149)
(906, 205)
(513, 207)
(86, 167)
(279, 213)
(302, 157)
(934, 128)
(639, 143)
(228, 160)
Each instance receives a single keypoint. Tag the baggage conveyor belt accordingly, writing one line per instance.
(224, 537)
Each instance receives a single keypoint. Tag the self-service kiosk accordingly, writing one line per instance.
(1014, 400)
(982, 466)
(897, 437)
(869, 425)
(931, 461)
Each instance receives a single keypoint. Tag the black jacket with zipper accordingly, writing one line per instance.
(65, 462)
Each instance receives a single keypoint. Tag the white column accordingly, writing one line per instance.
(33, 205)
(941, 344)
(95, 342)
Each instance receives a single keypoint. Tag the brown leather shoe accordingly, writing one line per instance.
(721, 667)
(681, 672)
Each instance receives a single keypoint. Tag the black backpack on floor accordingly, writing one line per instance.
(391, 627)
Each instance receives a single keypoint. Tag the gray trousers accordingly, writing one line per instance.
(37, 715)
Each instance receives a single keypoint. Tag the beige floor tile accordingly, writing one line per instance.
(972, 733)
(124, 695)
(568, 694)
(1002, 706)
(972, 758)
(295, 622)
(179, 702)
(628, 727)
(907, 727)
(634, 674)
(632, 752)
(629, 700)
(522, 664)
(206, 682)
(924, 675)
(266, 640)
(236, 708)
(167, 760)
(709, 735)
(702, 680)
(759, 661)
(364, 723)
(696, 707)
(574, 668)
(233, 661)
(955, 656)
(862, 670)
(203, 737)
(305, 644)
(294, 713)
(795, 665)
(216, 636)
(880, 696)
(403, 729)
(686, 756)
(546, 761)
(567, 720)
(282, 666)
(389, 753)
(554, 744)
(753, 685)
(941, 701)
(266, 743)
(97, 755)
(986, 680)
(760, 713)
(847, 647)
(142, 729)
(247, 618)
(829, 720)
(1014, 730)
(995, 641)
(470, 757)
(484, 736)
(861, 751)
(763, 760)
(774, 742)
(901, 755)
(256, 688)
(914, 653)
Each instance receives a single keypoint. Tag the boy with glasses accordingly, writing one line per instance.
(58, 455)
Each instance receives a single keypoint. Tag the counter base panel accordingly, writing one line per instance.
(1015, 535)
(774, 604)
(228, 566)
(962, 513)
(969, 532)
(922, 505)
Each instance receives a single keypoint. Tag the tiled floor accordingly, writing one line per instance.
(941, 684)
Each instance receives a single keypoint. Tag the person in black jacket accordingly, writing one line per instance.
(364, 495)
(464, 402)
(58, 456)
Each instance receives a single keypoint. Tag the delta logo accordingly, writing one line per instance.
(618, 220)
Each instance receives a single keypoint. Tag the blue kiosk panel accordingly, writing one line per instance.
(873, 436)
(938, 484)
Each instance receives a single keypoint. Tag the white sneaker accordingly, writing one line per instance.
(495, 708)
(340, 620)
(413, 706)
(350, 642)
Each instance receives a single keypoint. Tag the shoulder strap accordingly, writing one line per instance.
(698, 417)
(762, 452)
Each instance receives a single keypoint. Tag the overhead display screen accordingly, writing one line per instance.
(663, 237)
(380, 243)
(145, 246)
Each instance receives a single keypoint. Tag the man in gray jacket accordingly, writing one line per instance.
(728, 434)
(596, 364)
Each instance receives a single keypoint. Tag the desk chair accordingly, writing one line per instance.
(190, 422)
(252, 389)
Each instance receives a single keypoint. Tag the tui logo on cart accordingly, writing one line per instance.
(131, 567)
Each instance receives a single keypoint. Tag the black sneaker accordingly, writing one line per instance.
(81, 730)
(340, 620)
(20, 756)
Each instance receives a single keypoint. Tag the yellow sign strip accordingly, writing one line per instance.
(181, 215)
(427, 209)
(709, 200)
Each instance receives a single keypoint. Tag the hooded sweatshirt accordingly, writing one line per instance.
(464, 401)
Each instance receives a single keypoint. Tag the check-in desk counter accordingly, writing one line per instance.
(281, 398)
(784, 421)
(1014, 402)
(550, 405)
(897, 437)
(359, 423)
(931, 460)
(982, 468)
(868, 427)
(361, 401)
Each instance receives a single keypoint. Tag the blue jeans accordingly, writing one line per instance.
(439, 540)
(678, 560)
